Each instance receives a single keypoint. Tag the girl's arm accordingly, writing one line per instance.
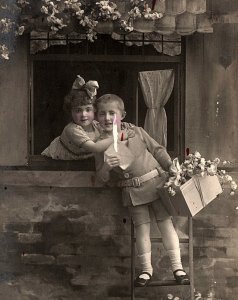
(98, 146)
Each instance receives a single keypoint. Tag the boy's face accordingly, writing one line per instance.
(83, 115)
(106, 113)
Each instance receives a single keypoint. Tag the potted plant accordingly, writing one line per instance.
(143, 17)
(105, 13)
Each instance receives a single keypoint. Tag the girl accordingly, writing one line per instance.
(79, 138)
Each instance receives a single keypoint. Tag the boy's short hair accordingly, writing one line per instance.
(111, 98)
(77, 98)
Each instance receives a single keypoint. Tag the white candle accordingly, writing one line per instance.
(114, 132)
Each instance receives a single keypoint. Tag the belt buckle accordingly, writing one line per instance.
(136, 181)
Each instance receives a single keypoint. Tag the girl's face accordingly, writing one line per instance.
(83, 115)
(106, 113)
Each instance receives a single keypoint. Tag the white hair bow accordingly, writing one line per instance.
(90, 87)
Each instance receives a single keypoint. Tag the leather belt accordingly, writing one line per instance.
(136, 181)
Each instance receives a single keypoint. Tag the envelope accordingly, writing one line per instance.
(124, 154)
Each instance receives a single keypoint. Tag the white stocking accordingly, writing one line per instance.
(145, 264)
(175, 259)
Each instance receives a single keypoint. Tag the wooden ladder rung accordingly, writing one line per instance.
(159, 240)
(181, 240)
(164, 283)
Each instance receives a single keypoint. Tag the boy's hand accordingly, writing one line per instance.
(112, 162)
(164, 176)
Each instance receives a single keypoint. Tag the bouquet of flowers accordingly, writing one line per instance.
(195, 164)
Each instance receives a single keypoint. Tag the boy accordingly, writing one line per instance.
(139, 182)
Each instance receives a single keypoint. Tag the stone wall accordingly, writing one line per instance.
(77, 241)
(80, 235)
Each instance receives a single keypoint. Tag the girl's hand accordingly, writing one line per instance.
(112, 162)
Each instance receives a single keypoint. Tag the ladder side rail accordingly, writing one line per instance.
(190, 255)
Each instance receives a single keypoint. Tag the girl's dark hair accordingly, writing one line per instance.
(77, 97)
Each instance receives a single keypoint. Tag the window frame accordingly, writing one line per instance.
(40, 162)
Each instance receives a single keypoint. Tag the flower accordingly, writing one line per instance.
(6, 25)
(141, 9)
(4, 51)
(105, 10)
(76, 8)
(126, 26)
(22, 2)
(233, 185)
(20, 30)
(195, 164)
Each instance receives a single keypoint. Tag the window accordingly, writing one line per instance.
(116, 68)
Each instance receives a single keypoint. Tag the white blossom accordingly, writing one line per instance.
(4, 51)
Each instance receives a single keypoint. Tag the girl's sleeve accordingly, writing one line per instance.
(76, 135)
(158, 151)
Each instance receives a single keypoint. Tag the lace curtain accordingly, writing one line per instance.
(156, 87)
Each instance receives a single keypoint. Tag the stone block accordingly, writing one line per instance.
(222, 275)
(17, 226)
(212, 252)
(70, 211)
(101, 225)
(81, 280)
(201, 232)
(29, 238)
(222, 263)
(211, 221)
(96, 263)
(232, 252)
(111, 245)
(215, 242)
(70, 260)
(62, 248)
(38, 259)
(205, 264)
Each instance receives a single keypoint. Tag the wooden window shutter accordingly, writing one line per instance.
(14, 106)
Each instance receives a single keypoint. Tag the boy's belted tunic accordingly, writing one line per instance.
(148, 156)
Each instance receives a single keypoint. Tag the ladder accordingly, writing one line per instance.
(165, 283)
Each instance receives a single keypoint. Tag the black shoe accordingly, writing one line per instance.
(141, 282)
(181, 279)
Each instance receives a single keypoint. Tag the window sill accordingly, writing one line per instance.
(50, 179)
(46, 172)
(39, 162)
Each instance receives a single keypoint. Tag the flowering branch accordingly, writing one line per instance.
(9, 26)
